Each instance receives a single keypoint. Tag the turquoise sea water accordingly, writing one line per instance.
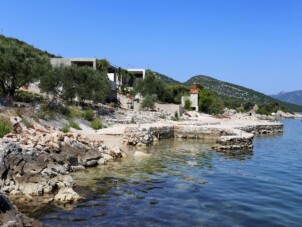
(185, 183)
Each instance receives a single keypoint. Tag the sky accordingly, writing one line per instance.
(252, 43)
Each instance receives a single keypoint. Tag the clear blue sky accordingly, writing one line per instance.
(253, 43)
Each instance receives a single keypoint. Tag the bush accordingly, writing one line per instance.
(148, 102)
(208, 102)
(111, 104)
(188, 104)
(66, 129)
(46, 113)
(74, 124)
(88, 115)
(75, 112)
(26, 121)
(96, 124)
(5, 126)
(27, 97)
(175, 117)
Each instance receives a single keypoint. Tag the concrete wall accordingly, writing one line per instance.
(194, 101)
(170, 108)
(138, 71)
(69, 61)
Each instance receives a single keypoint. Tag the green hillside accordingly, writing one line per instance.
(237, 92)
(8, 41)
(166, 79)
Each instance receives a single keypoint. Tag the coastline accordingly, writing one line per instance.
(36, 162)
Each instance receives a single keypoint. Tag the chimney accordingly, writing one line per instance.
(194, 89)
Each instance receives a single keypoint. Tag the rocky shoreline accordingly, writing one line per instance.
(35, 162)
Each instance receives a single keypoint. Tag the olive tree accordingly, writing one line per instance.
(70, 82)
(20, 66)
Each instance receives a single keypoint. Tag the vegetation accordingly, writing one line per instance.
(96, 124)
(166, 79)
(175, 117)
(25, 121)
(74, 125)
(148, 102)
(175, 91)
(208, 102)
(103, 65)
(270, 108)
(151, 85)
(66, 129)
(188, 104)
(232, 94)
(88, 115)
(83, 83)
(5, 126)
(27, 97)
(20, 65)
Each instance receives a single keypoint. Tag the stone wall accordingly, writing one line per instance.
(263, 129)
(170, 108)
(198, 132)
(147, 135)
(226, 138)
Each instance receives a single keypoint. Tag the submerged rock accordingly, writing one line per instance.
(67, 195)
(141, 154)
(10, 216)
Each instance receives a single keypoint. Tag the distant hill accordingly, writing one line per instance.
(166, 79)
(294, 97)
(6, 41)
(238, 92)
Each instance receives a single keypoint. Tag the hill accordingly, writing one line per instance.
(6, 41)
(294, 97)
(166, 79)
(238, 92)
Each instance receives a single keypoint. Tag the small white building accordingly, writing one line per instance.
(193, 97)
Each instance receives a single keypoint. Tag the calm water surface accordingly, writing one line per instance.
(184, 183)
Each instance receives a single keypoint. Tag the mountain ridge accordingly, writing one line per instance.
(294, 97)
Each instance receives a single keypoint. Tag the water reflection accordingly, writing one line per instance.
(237, 155)
(185, 183)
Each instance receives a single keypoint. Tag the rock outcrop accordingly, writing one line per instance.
(147, 135)
(37, 161)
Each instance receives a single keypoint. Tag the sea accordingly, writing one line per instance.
(186, 183)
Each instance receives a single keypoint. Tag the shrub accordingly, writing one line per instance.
(5, 126)
(75, 112)
(111, 104)
(74, 124)
(88, 115)
(96, 124)
(65, 111)
(148, 102)
(45, 112)
(26, 121)
(66, 129)
(175, 117)
(208, 102)
(188, 104)
(27, 97)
